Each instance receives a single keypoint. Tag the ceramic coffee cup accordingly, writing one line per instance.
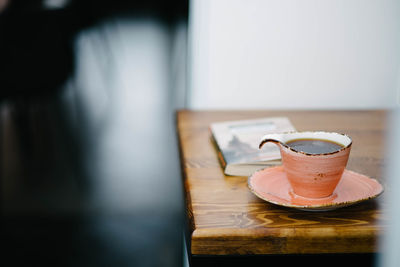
(312, 174)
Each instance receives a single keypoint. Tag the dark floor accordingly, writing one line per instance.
(343, 260)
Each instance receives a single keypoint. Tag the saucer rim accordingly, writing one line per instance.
(316, 207)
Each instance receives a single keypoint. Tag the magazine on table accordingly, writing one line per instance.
(237, 143)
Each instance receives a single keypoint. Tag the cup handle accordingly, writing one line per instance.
(274, 138)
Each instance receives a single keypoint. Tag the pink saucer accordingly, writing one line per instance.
(272, 186)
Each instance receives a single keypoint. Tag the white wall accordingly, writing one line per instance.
(294, 54)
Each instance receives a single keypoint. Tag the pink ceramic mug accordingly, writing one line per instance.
(312, 175)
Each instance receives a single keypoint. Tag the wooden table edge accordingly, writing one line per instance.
(276, 241)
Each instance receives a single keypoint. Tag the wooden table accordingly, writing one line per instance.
(225, 218)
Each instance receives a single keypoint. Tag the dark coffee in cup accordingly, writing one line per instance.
(314, 146)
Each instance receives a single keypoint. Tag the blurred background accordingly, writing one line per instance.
(88, 89)
(89, 163)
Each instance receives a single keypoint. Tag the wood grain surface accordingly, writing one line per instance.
(225, 218)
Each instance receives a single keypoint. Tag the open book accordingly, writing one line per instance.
(237, 144)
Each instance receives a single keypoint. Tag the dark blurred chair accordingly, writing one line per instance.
(90, 173)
